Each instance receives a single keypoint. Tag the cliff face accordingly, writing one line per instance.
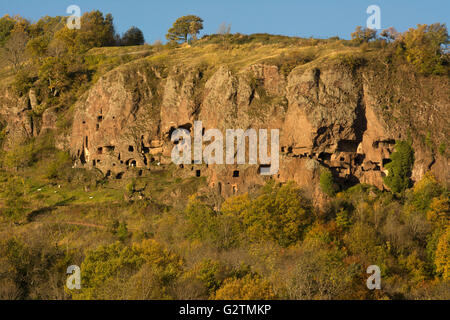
(344, 119)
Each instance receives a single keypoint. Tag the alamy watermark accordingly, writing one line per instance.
(374, 281)
(74, 20)
(213, 153)
(74, 280)
(374, 20)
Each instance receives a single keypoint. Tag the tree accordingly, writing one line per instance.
(363, 35)
(54, 73)
(14, 194)
(399, 170)
(133, 37)
(6, 26)
(389, 34)
(184, 26)
(327, 183)
(280, 214)
(96, 31)
(424, 47)
(442, 260)
(15, 47)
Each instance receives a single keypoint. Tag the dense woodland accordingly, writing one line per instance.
(171, 242)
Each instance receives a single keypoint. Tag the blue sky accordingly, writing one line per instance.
(304, 18)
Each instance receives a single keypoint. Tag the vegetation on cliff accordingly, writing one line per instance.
(162, 235)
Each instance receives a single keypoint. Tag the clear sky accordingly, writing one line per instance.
(304, 18)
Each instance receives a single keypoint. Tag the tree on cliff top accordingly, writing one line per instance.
(424, 47)
(14, 49)
(133, 37)
(96, 30)
(363, 34)
(6, 26)
(184, 26)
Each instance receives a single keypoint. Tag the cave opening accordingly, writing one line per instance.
(386, 161)
(325, 156)
(119, 175)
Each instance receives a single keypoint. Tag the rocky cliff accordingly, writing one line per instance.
(329, 114)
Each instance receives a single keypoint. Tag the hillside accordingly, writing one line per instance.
(87, 176)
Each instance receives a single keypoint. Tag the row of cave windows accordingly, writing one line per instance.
(236, 173)
(111, 148)
(120, 175)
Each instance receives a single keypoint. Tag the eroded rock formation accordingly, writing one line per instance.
(328, 116)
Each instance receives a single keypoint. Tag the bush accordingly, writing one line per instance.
(22, 83)
(59, 166)
(400, 168)
(20, 156)
(442, 148)
(327, 182)
(14, 193)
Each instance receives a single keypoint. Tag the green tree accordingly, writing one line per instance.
(184, 26)
(133, 37)
(424, 47)
(326, 182)
(202, 221)
(280, 214)
(400, 168)
(96, 31)
(59, 165)
(6, 26)
(442, 260)
(14, 194)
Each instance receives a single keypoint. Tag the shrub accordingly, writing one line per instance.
(22, 82)
(202, 222)
(59, 166)
(442, 148)
(14, 193)
(327, 183)
(20, 156)
(400, 168)
(423, 192)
